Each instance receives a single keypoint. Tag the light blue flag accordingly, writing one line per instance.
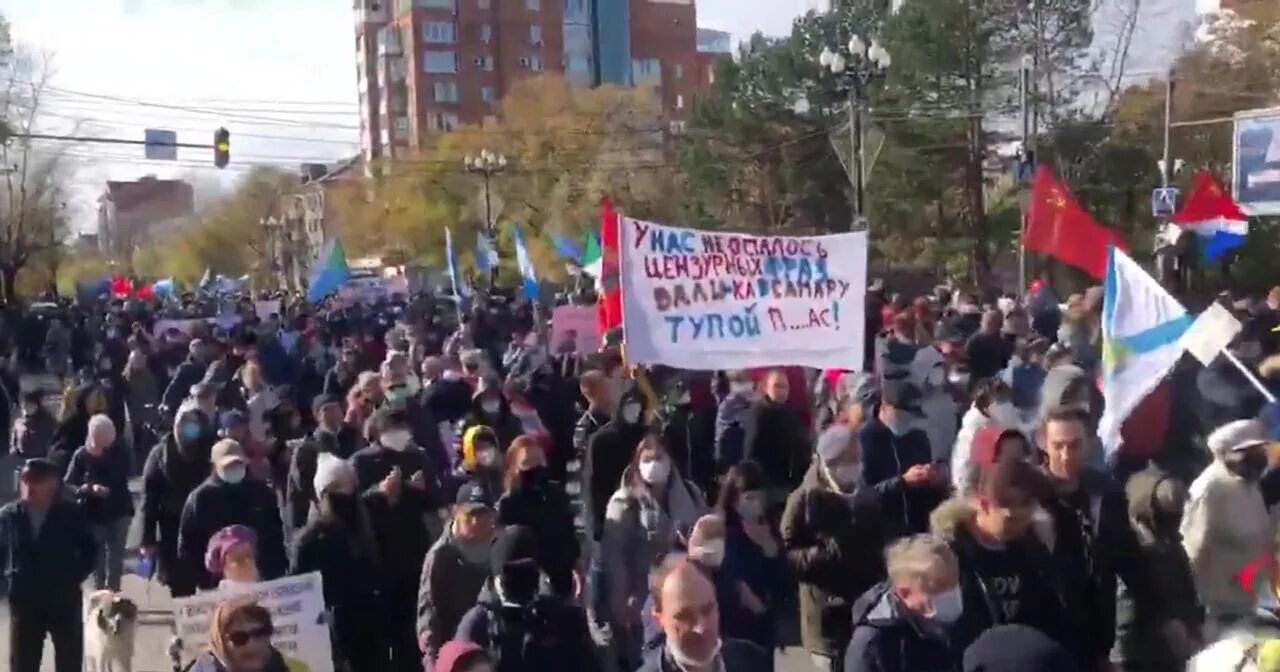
(567, 248)
(457, 284)
(163, 288)
(486, 256)
(1142, 328)
(526, 267)
(330, 272)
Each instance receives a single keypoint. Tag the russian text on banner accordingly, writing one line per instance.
(297, 612)
(707, 300)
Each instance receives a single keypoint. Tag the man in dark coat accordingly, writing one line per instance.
(46, 552)
(174, 468)
(779, 436)
(189, 373)
(899, 460)
(331, 436)
(230, 497)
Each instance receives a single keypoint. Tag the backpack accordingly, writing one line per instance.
(528, 638)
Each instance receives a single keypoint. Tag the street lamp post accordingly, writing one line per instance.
(855, 68)
(487, 164)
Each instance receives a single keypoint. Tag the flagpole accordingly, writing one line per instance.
(1231, 357)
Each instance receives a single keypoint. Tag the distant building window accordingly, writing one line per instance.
(436, 4)
(445, 62)
(535, 35)
(486, 33)
(646, 70)
(439, 32)
(483, 4)
(484, 62)
(402, 126)
(446, 92)
(533, 63)
(486, 94)
(711, 74)
(677, 71)
(442, 121)
(679, 101)
(533, 5)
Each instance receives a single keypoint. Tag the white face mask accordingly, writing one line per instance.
(631, 413)
(710, 553)
(1005, 414)
(686, 661)
(848, 476)
(655, 472)
(487, 457)
(491, 406)
(901, 426)
(396, 439)
(232, 474)
(948, 606)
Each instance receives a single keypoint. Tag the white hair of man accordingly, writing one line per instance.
(102, 430)
(922, 558)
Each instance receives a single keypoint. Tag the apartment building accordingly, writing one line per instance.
(429, 66)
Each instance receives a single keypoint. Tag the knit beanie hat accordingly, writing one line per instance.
(329, 470)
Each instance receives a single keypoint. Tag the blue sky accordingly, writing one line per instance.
(280, 74)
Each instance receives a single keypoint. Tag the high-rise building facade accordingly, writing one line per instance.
(429, 66)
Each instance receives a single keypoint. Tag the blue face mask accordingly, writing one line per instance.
(191, 432)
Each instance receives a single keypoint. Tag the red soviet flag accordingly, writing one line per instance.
(1058, 227)
(609, 305)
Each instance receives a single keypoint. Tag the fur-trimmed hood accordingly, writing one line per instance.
(953, 516)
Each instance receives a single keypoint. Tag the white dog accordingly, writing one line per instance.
(108, 632)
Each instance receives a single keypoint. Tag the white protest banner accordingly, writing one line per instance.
(706, 300)
(581, 320)
(297, 612)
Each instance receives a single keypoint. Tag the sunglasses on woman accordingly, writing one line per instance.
(242, 637)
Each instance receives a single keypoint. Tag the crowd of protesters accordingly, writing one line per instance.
(478, 498)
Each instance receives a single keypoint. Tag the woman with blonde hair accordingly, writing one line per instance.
(240, 641)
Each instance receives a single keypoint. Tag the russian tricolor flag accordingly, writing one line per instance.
(1213, 215)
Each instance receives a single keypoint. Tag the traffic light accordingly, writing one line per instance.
(221, 147)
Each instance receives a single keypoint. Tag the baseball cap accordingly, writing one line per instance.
(226, 452)
(1236, 435)
(901, 395)
(233, 418)
(473, 496)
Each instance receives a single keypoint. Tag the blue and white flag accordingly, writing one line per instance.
(486, 256)
(457, 284)
(527, 273)
(1142, 328)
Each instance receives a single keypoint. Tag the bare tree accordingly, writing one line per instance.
(34, 192)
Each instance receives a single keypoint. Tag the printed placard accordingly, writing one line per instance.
(708, 300)
(297, 612)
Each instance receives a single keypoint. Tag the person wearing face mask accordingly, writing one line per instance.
(330, 437)
(189, 373)
(685, 607)
(753, 576)
(531, 499)
(1226, 525)
(98, 477)
(489, 407)
(522, 627)
(653, 505)
(735, 420)
(1007, 573)
(229, 497)
(899, 461)
(404, 499)
(482, 462)
(174, 468)
(455, 569)
(832, 532)
(342, 377)
(338, 542)
(607, 455)
(706, 549)
(902, 625)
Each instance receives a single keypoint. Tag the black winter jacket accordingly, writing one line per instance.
(51, 565)
(112, 469)
(608, 453)
(214, 505)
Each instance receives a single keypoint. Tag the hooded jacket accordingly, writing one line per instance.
(639, 530)
(216, 504)
(449, 587)
(834, 544)
(469, 468)
(888, 638)
(544, 508)
(1140, 639)
(886, 458)
(1017, 584)
(1225, 527)
(608, 453)
(168, 478)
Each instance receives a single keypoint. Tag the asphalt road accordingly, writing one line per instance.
(156, 620)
